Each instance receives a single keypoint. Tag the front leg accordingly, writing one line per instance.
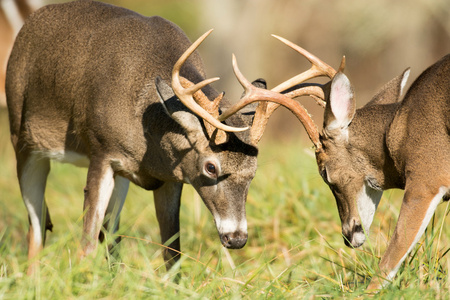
(415, 214)
(98, 191)
(167, 204)
(112, 215)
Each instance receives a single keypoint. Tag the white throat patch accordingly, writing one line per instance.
(367, 202)
(229, 225)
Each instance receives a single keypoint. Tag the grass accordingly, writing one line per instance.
(294, 249)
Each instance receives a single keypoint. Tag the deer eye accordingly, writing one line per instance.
(211, 169)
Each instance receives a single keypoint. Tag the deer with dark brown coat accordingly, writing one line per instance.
(126, 96)
(391, 142)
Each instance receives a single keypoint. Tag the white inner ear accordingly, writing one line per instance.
(341, 97)
(404, 80)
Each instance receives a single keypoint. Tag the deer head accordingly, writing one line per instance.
(353, 159)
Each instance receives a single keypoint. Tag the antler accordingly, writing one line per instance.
(263, 112)
(253, 94)
(212, 108)
(318, 68)
(186, 94)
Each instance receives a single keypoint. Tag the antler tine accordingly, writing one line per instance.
(186, 94)
(254, 94)
(248, 87)
(318, 68)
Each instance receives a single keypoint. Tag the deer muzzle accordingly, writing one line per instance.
(233, 234)
(353, 233)
(235, 240)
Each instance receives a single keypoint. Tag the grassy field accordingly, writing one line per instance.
(294, 249)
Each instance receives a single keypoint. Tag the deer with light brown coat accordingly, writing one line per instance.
(393, 141)
(88, 84)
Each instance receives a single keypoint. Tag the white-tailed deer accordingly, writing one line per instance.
(87, 84)
(389, 143)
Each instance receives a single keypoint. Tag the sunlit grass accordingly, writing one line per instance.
(294, 249)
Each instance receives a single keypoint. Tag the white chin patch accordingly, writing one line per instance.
(367, 202)
(358, 239)
(229, 225)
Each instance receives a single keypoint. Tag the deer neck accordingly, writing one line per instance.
(369, 130)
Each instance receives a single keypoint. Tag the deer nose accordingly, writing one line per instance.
(235, 240)
(353, 235)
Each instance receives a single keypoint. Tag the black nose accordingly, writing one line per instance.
(235, 240)
(347, 240)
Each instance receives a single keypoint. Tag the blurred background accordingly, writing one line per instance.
(379, 39)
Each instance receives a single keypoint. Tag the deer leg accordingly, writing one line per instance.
(112, 216)
(415, 214)
(97, 193)
(32, 170)
(167, 204)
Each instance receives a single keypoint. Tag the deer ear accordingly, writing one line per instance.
(392, 91)
(340, 107)
(260, 83)
(175, 109)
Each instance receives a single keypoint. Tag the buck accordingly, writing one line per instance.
(88, 84)
(388, 143)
